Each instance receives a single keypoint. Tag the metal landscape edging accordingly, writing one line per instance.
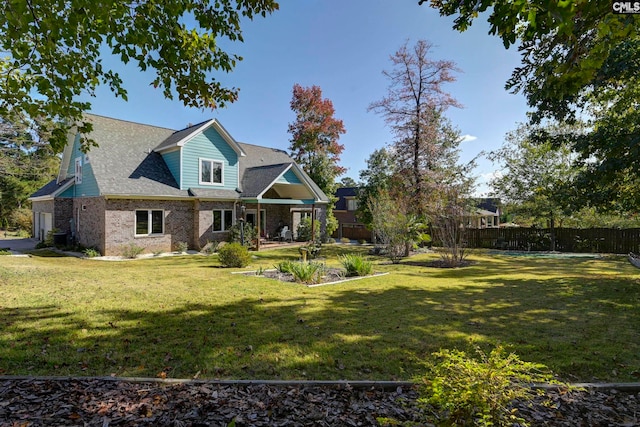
(359, 384)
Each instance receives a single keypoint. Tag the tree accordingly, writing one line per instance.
(27, 162)
(53, 52)
(394, 228)
(414, 108)
(376, 179)
(579, 61)
(314, 142)
(536, 176)
(346, 182)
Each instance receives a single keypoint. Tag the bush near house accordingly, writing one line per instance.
(234, 255)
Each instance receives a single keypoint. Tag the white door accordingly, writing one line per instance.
(46, 222)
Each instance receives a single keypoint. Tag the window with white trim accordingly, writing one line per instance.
(352, 204)
(149, 222)
(222, 219)
(211, 172)
(78, 171)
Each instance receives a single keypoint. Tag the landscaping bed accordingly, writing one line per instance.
(110, 402)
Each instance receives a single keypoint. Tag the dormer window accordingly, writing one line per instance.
(210, 172)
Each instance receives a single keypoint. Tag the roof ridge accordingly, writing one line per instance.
(129, 121)
(263, 146)
(195, 126)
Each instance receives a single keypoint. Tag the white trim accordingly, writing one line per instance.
(72, 134)
(78, 170)
(266, 188)
(219, 128)
(181, 171)
(53, 195)
(217, 184)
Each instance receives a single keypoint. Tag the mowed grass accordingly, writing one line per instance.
(186, 317)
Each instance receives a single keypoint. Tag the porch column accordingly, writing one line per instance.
(313, 222)
(258, 221)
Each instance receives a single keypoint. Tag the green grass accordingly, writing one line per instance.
(185, 316)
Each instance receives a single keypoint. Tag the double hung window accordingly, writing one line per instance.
(210, 171)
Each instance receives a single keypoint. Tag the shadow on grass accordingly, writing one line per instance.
(584, 326)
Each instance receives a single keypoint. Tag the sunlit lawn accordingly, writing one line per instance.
(185, 316)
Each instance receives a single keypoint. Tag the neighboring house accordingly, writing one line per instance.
(486, 214)
(345, 212)
(156, 187)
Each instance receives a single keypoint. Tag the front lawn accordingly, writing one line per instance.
(186, 317)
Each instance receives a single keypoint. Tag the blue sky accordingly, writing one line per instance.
(342, 46)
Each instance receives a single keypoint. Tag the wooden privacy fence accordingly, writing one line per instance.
(592, 240)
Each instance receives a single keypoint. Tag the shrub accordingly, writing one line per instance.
(91, 252)
(356, 265)
(345, 240)
(48, 240)
(5, 251)
(234, 255)
(478, 391)
(304, 230)
(21, 219)
(250, 234)
(131, 250)
(182, 246)
(23, 234)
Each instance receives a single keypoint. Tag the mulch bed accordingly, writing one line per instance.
(103, 402)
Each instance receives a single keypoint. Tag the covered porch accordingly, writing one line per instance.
(276, 198)
(277, 222)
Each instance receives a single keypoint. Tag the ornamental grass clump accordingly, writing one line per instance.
(234, 255)
(284, 267)
(356, 265)
(462, 390)
(302, 271)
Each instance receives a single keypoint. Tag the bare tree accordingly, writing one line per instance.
(414, 110)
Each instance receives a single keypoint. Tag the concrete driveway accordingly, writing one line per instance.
(18, 245)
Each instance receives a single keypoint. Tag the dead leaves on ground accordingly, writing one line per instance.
(103, 402)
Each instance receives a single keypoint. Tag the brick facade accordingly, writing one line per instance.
(109, 224)
(88, 214)
(120, 223)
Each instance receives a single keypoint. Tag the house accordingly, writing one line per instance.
(486, 213)
(157, 187)
(345, 212)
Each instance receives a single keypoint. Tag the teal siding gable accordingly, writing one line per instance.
(89, 185)
(172, 159)
(289, 178)
(209, 145)
(67, 193)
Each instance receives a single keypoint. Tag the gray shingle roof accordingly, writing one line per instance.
(51, 188)
(126, 163)
(256, 180)
(178, 136)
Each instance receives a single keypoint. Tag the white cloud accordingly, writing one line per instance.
(468, 138)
